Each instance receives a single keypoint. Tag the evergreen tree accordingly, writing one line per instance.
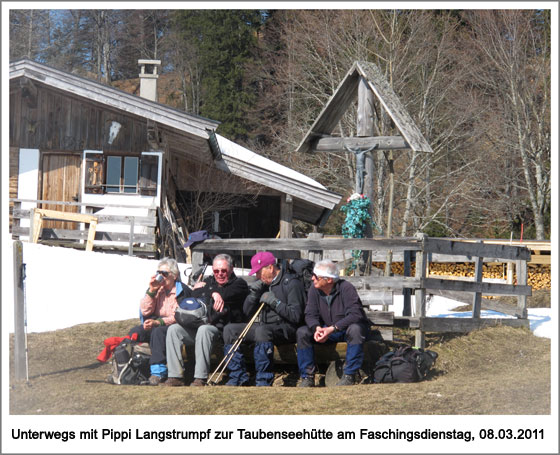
(226, 42)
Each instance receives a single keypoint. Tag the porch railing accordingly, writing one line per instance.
(108, 235)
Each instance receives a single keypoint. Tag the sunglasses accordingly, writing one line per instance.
(220, 271)
(317, 277)
(165, 273)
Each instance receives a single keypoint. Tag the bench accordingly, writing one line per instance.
(328, 356)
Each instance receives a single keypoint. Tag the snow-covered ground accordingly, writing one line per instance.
(65, 287)
(540, 318)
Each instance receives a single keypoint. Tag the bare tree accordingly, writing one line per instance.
(514, 46)
(418, 53)
(184, 56)
(28, 33)
(211, 190)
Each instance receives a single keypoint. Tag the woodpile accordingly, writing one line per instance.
(539, 275)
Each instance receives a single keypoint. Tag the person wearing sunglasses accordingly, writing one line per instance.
(225, 292)
(333, 313)
(157, 309)
(284, 298)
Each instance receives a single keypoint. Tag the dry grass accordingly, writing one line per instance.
(492, 371)
(539, 299)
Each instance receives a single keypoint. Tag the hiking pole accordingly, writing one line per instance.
(234, 347)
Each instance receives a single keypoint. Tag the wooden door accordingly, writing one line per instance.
(60, 181)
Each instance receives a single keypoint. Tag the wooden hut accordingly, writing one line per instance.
(79, 146)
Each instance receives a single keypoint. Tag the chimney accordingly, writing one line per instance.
(148, 81)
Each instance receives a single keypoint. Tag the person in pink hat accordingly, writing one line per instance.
(284, 297)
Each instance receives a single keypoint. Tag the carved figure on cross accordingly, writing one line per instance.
(360, 166)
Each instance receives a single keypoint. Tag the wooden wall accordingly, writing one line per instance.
(47, 119)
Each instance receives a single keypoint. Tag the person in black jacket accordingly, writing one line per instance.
(226, 292)
(333, 313)
(284, 298)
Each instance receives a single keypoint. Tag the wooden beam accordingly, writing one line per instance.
(420, 294)
(380, 317)
(66, 216)
(467, 324)
(338, 144)
(39, 214)
(253, 244)
(393, 106)
(477, 297)
(335, 108)
(522, 274)
(376, 296)
(469, 249)
(69, 234)
(470, 286)
(149, 221)
(286, 216)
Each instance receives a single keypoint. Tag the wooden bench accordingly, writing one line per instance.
(330, 357)
(37, 216)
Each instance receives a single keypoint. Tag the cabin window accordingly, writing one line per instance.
(121, 174)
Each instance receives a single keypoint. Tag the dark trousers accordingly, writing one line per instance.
(265, 336)
(355, 336)
(156, 338)
(260, 333)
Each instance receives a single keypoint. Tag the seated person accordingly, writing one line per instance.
(276, 324)
(333, 313)
(226, 293)
(157, 309)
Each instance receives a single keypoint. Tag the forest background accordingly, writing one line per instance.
(476, 82)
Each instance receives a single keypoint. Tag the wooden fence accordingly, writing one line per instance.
(140, 244)
(414, 250)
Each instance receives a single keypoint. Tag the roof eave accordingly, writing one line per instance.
(113, 97)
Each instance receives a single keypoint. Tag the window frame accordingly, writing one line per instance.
(96, 171)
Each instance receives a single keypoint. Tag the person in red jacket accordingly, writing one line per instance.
(333, 313)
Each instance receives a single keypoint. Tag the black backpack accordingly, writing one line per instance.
(131, 363)
(303, 269)
(405, 364)
(192, 313)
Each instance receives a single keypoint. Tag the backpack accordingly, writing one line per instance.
(130, 364)
(405, 364)
(192, 313)
(303, 269)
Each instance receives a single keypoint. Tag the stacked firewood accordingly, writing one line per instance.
(538, 274)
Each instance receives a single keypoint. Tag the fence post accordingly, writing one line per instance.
(315, 255)
(420, 294)
(131, 237)
(20, 354)
(477, 298)
(521, 270)
(407, 310)
(16, 221)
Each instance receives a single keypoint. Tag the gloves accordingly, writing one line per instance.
(257, 286)
(270, 299)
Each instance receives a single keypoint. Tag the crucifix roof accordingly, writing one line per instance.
(345, 94)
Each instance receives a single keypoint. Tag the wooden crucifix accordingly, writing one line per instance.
(368, 81)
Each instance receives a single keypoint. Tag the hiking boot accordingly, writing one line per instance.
(155, 380)
(347, 379)
(309, 381)
(173, 382)
(199, 382)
